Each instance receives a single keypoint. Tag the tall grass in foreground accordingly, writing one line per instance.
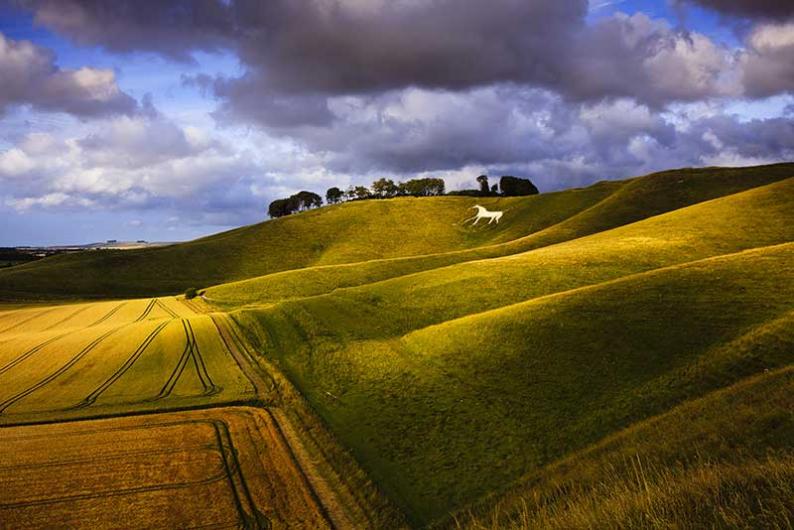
(755, 493)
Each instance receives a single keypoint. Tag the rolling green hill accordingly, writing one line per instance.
(364, 232)
(446, 413)
(617, 355)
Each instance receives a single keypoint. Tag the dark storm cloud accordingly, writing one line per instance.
(173, 28)
(773, 9)
(29, 76)
(330, 47)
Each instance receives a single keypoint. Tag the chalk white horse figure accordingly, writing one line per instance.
(482, 213)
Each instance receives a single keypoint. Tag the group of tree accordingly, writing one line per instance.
(303, 200)
(508, 186)
(386, 188)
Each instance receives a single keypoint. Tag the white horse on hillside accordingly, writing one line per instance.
(482, 213)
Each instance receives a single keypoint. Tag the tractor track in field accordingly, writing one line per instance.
(28, 353)
(148, 310)
(25, 321)
(165, 308)
(242, 357)
(108, 314)
(191, 351)
(74, 314)
(57, 373)
(250, 517)
(91, 398)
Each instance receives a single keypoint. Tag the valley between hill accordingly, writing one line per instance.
(612, 356)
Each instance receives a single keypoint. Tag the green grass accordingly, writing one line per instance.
(544, 351)
(516, 375)
(448, 413)
(373, 230)
(723, 461)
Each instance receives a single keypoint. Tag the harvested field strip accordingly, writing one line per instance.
(92, 397)
(74, 360)
(212, 464)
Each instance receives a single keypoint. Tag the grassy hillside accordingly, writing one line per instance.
(441, 415)
(373, 230)
(723, 461)
(619, 355)
(632, 201)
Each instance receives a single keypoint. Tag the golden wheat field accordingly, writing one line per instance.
(219, 468)
(105, 358)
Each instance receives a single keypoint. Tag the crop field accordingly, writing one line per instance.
(219, 468)
(614, 356)
(108, 357)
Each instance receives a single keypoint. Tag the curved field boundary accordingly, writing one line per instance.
(74, 360)
(242, 357)
(191, 351)
(91, 398)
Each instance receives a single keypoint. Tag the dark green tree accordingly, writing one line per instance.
(384, 188)
(426, 187)
(334, 195)
(514, 187)
(483, 181)
(280, 208)
(307, 200)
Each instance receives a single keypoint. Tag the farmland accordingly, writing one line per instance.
(207, 462)
(617, 353)
(110, 357)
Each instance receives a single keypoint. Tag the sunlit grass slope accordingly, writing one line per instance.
(374, 230)
(622, 204)
(450, 383)
(357, 231)
(723, 461)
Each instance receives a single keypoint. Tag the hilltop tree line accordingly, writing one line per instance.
(383, 188)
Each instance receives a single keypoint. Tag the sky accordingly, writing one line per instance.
(166, 121)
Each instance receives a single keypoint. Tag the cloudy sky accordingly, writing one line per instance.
(138, 119)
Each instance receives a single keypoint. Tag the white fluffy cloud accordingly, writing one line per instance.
(30, 77)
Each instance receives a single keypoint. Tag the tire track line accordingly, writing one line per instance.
(47, 342)
(74, 360)
(23, 322)
(148, 310)
(79, 310)
(250, 517)
(201, 367)
(108, 315)
(91, 398)
(191, 351)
